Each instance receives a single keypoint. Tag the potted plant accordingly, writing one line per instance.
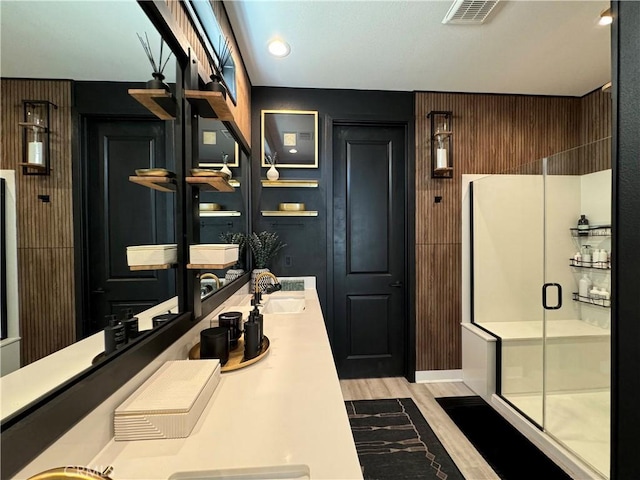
(264, 246)
(239, 239)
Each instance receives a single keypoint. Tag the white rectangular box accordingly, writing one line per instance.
(169, 403)
(152, 254)
(213, 254)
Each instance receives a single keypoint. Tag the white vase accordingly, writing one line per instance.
(272, 173)
(226, 170)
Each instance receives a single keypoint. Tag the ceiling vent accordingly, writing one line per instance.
(469, 12)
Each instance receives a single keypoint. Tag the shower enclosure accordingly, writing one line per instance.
(542, 287)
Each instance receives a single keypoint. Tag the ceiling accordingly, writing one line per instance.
(526, 47)
(78, 40)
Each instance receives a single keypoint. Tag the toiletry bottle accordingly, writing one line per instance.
(251, 339)
(583, 225)
(114, 336)
(584, 287)
(586, 256)
(577, 259)
(130, 325)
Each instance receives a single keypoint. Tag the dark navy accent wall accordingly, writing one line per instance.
(309, 242)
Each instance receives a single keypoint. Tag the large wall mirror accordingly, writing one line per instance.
(223, 216)
(74, 226)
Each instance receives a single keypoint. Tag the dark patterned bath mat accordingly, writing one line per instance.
(394, 441)
(511, 455)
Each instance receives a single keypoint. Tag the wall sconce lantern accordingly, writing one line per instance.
(36, 152)
(441, 144)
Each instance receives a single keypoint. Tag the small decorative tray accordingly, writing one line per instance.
(154, 172)
(207, 172)
(236, 356)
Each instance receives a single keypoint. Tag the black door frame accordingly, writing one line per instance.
(409, 361)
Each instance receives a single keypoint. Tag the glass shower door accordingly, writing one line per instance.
(508, 263)
(576, 328)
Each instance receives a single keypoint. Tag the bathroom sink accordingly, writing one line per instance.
(284, 305)
(278, 472)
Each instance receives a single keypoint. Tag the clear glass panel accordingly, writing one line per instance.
(577, 335)
(508, 264)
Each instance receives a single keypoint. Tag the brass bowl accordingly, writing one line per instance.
(210, 207)
(154, 172)
(291, 207)
(208, 172)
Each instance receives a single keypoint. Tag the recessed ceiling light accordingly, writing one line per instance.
(279, 48)
(605, 17)
(293, 150)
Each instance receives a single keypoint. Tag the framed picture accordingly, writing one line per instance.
(291, 136)
(215, 141)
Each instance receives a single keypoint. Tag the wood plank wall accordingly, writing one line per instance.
(45, 230)
(492, 133)
(595, 124)
(242, 110)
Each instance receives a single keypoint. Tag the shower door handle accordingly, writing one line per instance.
(544, 296)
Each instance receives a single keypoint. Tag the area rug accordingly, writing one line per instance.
(511, 455)
(394, 441)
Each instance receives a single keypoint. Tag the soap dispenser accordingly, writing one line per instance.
(114, 336)
(130, 325)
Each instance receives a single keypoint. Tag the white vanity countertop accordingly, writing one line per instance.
(286, 409)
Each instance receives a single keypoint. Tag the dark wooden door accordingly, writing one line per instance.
(369, 250)
(121, 213)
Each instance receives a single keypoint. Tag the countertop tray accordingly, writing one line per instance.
(236, 356)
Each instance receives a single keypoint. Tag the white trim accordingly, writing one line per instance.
(432, 376)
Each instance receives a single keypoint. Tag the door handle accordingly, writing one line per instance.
(397, 284)
(98, 290)
(544, 296)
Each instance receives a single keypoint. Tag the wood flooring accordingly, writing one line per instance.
(462, 452)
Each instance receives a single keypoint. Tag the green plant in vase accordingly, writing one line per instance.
(240, 239)
(264, 247)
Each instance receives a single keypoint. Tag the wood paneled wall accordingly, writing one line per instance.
(45, 230)
(595, 124)
(492, 133)
(242, 109)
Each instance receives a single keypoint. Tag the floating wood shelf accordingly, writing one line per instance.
(289, 213)
(164, 266)
(219, 213)
(209, 104)
(218, 184)
(210, 266)
(290, 183)
(164, 184)
(158, 101)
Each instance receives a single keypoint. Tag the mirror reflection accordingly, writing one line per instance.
(289, 138)
(73, 226)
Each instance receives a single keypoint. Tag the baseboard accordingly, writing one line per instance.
(432, 376)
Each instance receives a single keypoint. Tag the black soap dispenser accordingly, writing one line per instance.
(253, 334)
(130, 325)
(114, 336)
